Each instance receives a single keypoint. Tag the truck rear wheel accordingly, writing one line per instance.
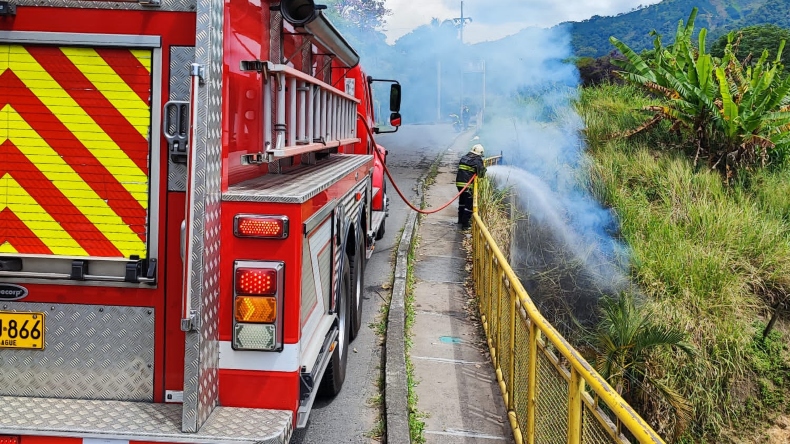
(358, 288)
(335, 374)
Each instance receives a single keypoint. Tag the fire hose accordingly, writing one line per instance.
(392, 181)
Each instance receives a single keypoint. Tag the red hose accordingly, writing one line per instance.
(387, 171)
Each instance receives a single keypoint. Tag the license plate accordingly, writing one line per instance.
(21, 330)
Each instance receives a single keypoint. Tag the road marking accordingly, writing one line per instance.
(466, 434)
(449, 361)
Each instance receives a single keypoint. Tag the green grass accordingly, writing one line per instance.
(711, 259)
(416, 417)
(377, 401)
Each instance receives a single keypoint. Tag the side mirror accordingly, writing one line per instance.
(395, 98)
(395, 119)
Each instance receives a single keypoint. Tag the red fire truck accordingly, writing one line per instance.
(190, 192)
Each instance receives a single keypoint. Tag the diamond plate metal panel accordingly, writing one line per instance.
(139, 421)
(181, 58)
(296, 186)
(307, 59)
(167, 5)
(202, 351)
(275, 37)
(90, 351)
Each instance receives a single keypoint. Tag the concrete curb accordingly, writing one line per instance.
(396, 390)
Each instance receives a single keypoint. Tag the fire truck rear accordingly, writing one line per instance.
(190, 192)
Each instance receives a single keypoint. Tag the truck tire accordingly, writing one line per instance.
(357, 288)
(335, 373)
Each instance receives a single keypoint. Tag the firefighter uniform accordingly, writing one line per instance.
(470, 164)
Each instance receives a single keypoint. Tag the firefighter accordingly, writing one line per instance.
(465, 117)
(470, 164)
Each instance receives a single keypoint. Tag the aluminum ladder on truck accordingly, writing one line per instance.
(310, 115)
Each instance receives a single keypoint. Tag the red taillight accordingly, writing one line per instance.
(267, 227)
(256, 281)
(9, 440)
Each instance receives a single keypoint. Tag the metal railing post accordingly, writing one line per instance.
(511, 385)
(474, 196)
(532, 400)
(575, 390)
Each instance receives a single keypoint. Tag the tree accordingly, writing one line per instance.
(364, 15)
(750, 42)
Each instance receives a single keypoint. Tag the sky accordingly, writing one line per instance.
(507, 17)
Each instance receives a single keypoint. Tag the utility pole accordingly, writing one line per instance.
(438, 90)
(461, 21)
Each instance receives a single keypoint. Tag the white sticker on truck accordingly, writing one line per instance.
(104, 441)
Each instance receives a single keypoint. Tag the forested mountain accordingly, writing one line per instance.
(590, 38)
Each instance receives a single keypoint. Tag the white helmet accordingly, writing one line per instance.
(477, 149)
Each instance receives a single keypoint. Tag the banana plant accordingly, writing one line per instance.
(755, 118)
(681, 74)
(737, 115)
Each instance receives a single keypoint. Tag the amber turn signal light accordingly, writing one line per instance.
(256, 309)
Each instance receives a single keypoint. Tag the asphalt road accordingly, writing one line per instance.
(353, 416)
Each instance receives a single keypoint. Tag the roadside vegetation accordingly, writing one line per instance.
(691, 151)
(692, 154)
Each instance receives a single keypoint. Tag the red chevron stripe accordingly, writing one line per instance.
(16, 233)
(126, 65)
(52, 200)
(93, 102)
(73, 152)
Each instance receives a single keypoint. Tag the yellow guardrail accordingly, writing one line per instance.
(552, 394)
(493, 160)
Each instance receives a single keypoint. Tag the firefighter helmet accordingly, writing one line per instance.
(477, 149)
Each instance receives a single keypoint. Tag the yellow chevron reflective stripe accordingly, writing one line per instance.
(78, 122)
(7, 248)
(63, 177)
(110, 84)
(144, 57)
(47, 229)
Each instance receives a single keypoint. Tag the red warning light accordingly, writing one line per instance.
(266, 227)
(256, 281)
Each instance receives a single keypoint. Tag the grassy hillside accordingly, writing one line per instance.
(590, 38)
(709, 258)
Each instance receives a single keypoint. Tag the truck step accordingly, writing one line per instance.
(139, 421)
(378, 219)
